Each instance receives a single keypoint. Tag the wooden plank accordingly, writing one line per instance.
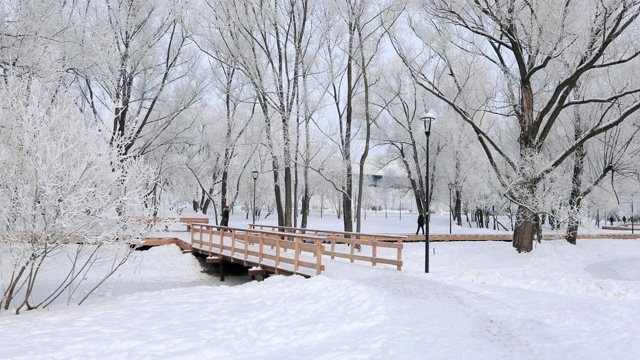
(194, 220)
(256, 271)
(158, 241)
(213, 260)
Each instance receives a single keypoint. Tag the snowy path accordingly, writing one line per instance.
(496, 321)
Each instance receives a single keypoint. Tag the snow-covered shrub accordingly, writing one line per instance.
(62, 181)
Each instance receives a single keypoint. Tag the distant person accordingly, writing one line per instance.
(225, 216)
(624, 219)
(611, 220)
(420, 224)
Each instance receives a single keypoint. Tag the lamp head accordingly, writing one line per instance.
(427, 119)
(255, 174)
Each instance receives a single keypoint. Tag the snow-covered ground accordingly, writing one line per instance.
(481, 300)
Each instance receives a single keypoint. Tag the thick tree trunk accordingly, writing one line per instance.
(525, 230)
(527, 224)
(279, 207)
(347, 208)
(225, 188)
(576, 179)
(574, 197)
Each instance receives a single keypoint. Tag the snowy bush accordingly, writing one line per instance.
(62, 181)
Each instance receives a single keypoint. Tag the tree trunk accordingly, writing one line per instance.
(574, 197)
(346, 208)
(346, 142)
(525, 230)
(458, 208)
(526, 224)
(224, 190)
(288, 201)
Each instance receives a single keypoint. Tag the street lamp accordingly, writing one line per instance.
(427, 119)
(450, 210)
(254, 174)
(632, 217)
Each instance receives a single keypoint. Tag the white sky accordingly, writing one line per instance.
(482, 300)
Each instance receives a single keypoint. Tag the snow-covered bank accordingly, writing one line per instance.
(480, 301)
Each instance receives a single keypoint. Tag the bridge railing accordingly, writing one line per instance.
(168, 222)
(360, 246)
(290, 252)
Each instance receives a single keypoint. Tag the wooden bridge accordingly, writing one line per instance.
(279, 250)
(267, 249)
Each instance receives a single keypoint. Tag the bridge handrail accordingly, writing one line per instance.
(241, 241)
(358, 235)
(372, 241)
(185, 220)
(176, 220)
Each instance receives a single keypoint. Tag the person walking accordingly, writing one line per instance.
(420, 224)
(224, 221)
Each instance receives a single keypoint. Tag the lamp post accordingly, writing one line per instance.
(427, 119)
(450, 210)
(254, 174)
(632, 217)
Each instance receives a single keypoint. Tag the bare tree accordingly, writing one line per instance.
(537, 60)
(369, 23)
(265, 41)
(134, 70)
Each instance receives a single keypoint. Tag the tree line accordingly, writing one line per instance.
(535, 103)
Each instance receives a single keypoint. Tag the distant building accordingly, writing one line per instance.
(382, 173)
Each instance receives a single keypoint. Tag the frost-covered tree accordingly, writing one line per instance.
(514, 65)
(133, 65)
(264, 41)
(64, 189)
(402, 130)
(353, 48)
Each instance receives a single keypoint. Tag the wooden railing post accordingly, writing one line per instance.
(210, 239)
(399, 267)
(318, 256)
(277, 252)
(374, 253)
(261, 248)
(296, 256)
(221, 239)
(352, 250)
(233, 244)
(246, 246)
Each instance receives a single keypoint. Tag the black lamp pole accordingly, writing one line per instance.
(632, 217)
(427, 119)
(254, 173)
(450, 209)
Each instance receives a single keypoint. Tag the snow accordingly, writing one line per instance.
(481, 300)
